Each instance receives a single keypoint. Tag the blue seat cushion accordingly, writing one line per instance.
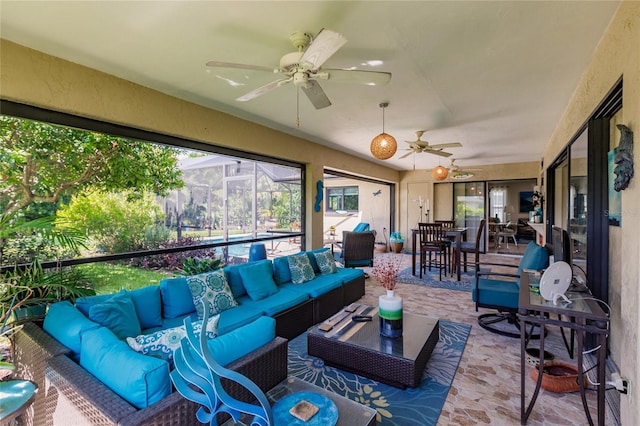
(177, 300)
(361, 227)
(272, 305)
(257, 278)
(320, 285)
(173, 322)
(67, 325)
(228, 347)
(349, 274)
(148, 304)
(237, 317)
(139, 379)
(497, 293)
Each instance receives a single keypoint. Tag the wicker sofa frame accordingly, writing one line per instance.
(70, 395)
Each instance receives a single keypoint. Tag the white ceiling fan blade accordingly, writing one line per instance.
(316, 95)
(446, 145)
(438, 152)
(263, 89)
(325, 44)
(408, 153)
(368, 78)
(219, 64)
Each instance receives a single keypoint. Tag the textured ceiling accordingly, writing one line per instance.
(494, 76)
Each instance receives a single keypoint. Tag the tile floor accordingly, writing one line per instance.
(486, 389)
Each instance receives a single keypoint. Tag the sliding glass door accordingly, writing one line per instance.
(469, 200)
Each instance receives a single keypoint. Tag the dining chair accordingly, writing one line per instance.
(432, 241)
(470, 247)
(508, 232)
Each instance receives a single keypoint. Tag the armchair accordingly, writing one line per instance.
(357, 248)
(500, 289)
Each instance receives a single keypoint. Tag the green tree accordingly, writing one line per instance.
(115, 221)
(40, 162)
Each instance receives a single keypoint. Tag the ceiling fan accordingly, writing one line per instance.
(302, 68)
(418, 146)
(458, 173)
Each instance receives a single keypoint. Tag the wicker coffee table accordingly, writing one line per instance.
(359, 348)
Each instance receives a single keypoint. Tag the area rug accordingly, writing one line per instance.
(395, 407)
(432, 279)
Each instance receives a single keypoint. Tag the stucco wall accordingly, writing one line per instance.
(31, 77)
(618, 54)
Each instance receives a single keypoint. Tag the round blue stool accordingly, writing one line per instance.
(257, 251)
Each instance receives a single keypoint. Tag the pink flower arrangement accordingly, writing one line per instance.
(385, 270)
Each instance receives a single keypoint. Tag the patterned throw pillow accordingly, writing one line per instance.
(326, 262)
(163, 343)
(213, 289)
(301, 269)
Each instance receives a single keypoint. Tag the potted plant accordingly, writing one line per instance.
(397, 242)
(332, 230)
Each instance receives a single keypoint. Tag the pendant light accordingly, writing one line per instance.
(384, 145)
(440, 173)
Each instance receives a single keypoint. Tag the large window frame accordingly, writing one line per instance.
(342, 196)
(29, 112)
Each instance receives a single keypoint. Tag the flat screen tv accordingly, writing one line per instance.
(561, 245)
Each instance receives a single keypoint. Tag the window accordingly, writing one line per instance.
(497, 198)
(342, 198)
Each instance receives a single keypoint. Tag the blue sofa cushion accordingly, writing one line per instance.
(211, 291)
(257, 278)
(280, 302)
(361, 227)
(148, 306)
(325, 261)
(234, 318)
(321, 285)
(85, 303)
(67, 325)
(281, 272)
(312, 258)
(139, 379)
(118, 313)
(535, 257)
(163, 343)
(497, 293)
(239, 342)
(235, 280)
(176, 298)
(349, 274)
(301, 269)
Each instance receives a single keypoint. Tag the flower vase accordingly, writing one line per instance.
(390, 313)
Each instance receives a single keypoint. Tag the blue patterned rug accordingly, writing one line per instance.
(432, 279)
(395, 407)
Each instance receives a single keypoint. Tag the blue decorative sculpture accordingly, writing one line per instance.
(194, 365)
(319, 186)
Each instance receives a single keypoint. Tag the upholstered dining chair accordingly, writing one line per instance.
(497, 286)
(433, 242)
(466, 247)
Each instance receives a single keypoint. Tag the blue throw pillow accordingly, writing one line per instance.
(281, 272)
(301, 269)
(85, 303)
(176, 297)
(66, 324)
(235, 280)
(212, 289)
(163, 343)
(257, 278)
(326, 262)
(148, 306)
(117, 314)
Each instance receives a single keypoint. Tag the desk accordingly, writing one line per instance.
(459, 234)
(582, 316)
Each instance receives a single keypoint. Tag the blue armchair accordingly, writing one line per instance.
(500, 290)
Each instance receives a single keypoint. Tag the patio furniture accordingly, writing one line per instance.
(464, 248)
(357, 248)
(508, 232)
(433, 242)
(359, 348)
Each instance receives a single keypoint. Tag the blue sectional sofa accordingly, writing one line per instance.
(85, 352)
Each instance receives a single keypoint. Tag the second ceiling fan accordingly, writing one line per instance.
(418, 146)
(302, 68)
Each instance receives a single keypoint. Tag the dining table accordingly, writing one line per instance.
(460, 234)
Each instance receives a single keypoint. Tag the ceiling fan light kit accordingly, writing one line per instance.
(383, 146)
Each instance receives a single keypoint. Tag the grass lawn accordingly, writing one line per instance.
(110, 278)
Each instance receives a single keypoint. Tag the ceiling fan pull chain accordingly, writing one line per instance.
(297, 107)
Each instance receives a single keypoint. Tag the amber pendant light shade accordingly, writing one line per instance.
(440, 173)
(383, 146)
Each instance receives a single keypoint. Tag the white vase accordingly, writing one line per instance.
(390, 313)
